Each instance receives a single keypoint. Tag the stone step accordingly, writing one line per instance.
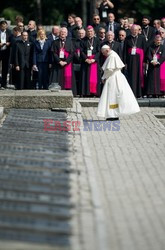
(143, 102)
(36, 99)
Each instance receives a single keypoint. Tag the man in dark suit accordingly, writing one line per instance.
(148, 31)
(5, 40)
(72, 27)
(54, 35)
(101, 35)
(96, 24)
(126, 27)
(112, 25)
(15, 38)
(32, 33)
(23, 61)
(162, 34)
(122, 36)
(114, 45)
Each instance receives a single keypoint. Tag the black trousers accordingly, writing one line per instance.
(43, 75)
(24, 78)
(4, 58)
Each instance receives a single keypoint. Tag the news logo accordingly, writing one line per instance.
(88, 125)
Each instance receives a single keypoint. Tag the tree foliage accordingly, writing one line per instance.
(54, 11)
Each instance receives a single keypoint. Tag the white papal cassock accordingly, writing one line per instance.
(117, 97)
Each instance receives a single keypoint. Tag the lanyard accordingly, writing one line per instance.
(146, 33)
(134, 43)
(91, 43)
(62, 44)
(156, 50)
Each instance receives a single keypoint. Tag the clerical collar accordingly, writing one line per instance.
(134, 36)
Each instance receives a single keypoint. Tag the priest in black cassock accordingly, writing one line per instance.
(114, 45)
(77, 60)
(62, 66)
(23, 61)
(156, 70)
(134, 51)
(147, 30)
(90, 51)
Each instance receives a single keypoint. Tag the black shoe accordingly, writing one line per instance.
(112, 119)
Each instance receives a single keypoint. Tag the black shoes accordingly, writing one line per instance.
(112, 119)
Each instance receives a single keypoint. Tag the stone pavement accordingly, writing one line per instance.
(46, 199)
(108, 186)
(130, 168)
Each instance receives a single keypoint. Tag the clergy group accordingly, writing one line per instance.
(70, 54)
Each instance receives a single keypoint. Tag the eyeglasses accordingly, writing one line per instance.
(96, 18)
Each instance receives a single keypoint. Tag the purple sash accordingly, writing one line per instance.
(162, 77)
(162, 74)
(93, 76)
(67, 73)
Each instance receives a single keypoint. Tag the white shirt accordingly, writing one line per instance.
(3, 39)
(42, 43)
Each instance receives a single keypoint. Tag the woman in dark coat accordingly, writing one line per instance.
(42, 59)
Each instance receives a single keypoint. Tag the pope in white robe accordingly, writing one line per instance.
(117, 98)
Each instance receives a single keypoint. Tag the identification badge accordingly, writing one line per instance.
(89, 52)
(133, 51)
(78, 52)
(155, 59)
(104, 14)
(61, 54)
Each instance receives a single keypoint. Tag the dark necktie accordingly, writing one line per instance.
(110, 26)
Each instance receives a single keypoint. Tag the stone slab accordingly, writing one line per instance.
(157, 102)
(1, 112)
(36, 99)
(143, 102)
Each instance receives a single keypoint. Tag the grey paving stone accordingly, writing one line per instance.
(129, 165)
